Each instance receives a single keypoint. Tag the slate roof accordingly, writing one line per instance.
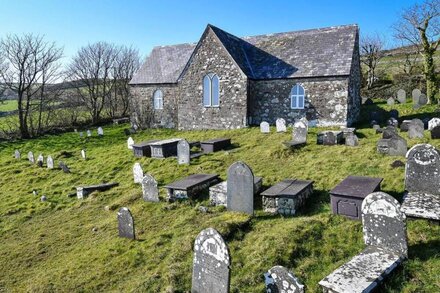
(308, 53)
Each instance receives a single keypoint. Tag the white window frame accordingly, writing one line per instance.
(159, 99)
(296, 96)
(210, 90)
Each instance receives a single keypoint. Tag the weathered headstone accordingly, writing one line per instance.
(125, 223)
(240, 192)
(401, 96)
(305, 121)
(83, 154)
(31, 157)
(211, 263)
(405, 125)
(394, 114)
(49, 162)
(351, 140)
(389, 132)
(279, 280)
(17, 154)
(390, 101)
(415, 96)
(89, 133)
(384, 223)
(264, 127)
(329, 137)
(40, 160)
(415, 129)
(299, 132)
(394, 146)
(281, 125)
(183, 152)
(130, 143)
(138, 173)
(100, 131)
(422, 173)
(423, 99)
(64, 167)
(150, 192)
(433, 123)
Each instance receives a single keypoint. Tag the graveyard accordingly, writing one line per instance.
(63, 243)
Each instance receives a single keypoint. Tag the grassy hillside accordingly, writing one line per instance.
(70, 245)
(8, 105)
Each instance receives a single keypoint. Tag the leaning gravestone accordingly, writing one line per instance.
(64, 167)
(49, 162)
(415, 129)
(89, 133)
(183, 152)
(401, 96)
(390, 101)
(83, 154)
(240, 192)
(31, 157)
(100, 131)
(17, 154)
(150, 192)
(130, 143)
(125, 223)
(278, 280)
(416, 95)
(138, 173)
(211, 263)
(281, 125)
(423, 99)
(264, 127)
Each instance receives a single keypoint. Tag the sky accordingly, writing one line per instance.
(72, 24)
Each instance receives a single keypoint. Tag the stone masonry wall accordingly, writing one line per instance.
(143, 105)
(211, 57)
(325, 101)
(354, 86)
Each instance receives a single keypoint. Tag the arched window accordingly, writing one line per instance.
(211, 90)
(158, 100)
(297, 97)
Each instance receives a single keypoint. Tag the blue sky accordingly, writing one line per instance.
(145, 24)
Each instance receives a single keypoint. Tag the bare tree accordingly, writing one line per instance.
(91, 72)
(420, 26)
(371, 53)
(27, 65)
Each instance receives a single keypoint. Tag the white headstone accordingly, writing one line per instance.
(17, 154)
(401, 96)
(264, 127)
(31, 157)
(49, 162)
(390, 101)
(83, 154)
(281, 125)
(138, 173)
(100, 131)
(40, 158)
(130, 143)
(89, 133)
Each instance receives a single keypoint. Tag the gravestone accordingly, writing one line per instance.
(393, 122)
(31, 157)
(240, 192)
(81, 134)
(401, 96)
(150, 192)
(390, 101)
(211, 263)
(329, 137)
(49, 162)
(405, 125)
(422, 173)
(83, 154)
(299, 132)
(281, 125)
(130, 143)
(389, 132)
(435, 132)
(394, 114)
(40, 160)
(384, 223)
(17, 154)
(415, 129)
(415, 96)
(125, 223)
(433, 123)
(100, 131)
(305, 122)
(278, 280)
(89, 133)
(64, 167)
(394, 146)
(183, 152)
(423, 99)
(264, 127)
(138, 173)
(351, 140)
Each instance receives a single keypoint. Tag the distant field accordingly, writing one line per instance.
(70, 245)
(8, 105)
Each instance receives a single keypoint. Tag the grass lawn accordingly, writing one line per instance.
(8, 105)
(71, 245)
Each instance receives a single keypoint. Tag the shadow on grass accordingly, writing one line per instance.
(425, 250)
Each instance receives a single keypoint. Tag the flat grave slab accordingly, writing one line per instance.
(83, 191)
(346, 198)
(287, 196)
(143, 149)
(164, 148)
(191, 186)
(421, 205)
(214, 145)
(218, 192)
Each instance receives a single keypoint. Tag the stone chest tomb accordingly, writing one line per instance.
(214, 145)
(191, 186)
(143, 149)
(164, 148)
(287, 196)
